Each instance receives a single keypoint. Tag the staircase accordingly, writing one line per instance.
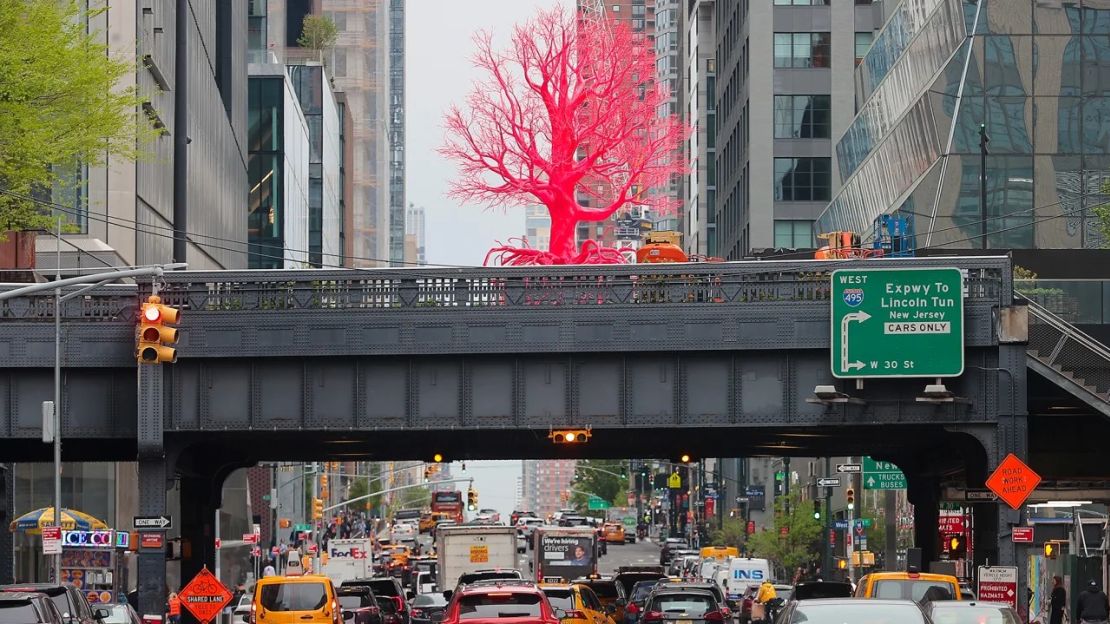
(1061, 352)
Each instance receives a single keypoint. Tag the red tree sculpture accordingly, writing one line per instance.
(569, 113)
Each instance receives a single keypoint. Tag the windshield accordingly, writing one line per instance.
(857, 614)
(62, 602)
(605, 590)
(686, 605)
(117, 615)
(499, 605)
(974, 615)
(429, 600)
(641, 590)
(912, 590)
(18, 613)
(560, 599)
(294, 596)
(353, 601)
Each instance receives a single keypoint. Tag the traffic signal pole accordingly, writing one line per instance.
(826, 565)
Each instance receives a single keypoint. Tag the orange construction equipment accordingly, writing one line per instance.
(661, 247)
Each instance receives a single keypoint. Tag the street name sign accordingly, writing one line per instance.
(829, 482)
(859, 522)
(849, 468)
(1013, 481)
(152, 522)
(998, 584)
(897, 322)
(882, 475)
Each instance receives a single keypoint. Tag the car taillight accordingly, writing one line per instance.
(336, 613)
(417, 613)
(714, 616)
(253, 617)
(652, 616)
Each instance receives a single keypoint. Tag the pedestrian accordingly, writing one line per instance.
(764, 597)
(1092, 606)
(174, 608)
(1058, 603)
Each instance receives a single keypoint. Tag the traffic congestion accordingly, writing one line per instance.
(434, 567)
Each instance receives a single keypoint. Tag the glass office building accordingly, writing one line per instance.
(1032, 75)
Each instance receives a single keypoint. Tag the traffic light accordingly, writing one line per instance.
(317, 509)
(841, 563)
(816, 510)
(323, 480)
(471, 499)
(155, 335)
(850, 496)
(438, 457)
(1051, 549)
(570, 436)
(685, 458)
(957, 547)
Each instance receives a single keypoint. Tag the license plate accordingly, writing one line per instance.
(684, 622)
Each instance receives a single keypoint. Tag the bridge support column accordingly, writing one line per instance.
(924, 494)
(7, 514)
(200, 500)
(153, 469)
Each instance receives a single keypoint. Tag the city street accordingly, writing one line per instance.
(640, 553)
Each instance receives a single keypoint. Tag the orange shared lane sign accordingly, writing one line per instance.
(205, 596)
(1013, 481)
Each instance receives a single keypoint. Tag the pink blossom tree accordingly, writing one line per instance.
(568, 118)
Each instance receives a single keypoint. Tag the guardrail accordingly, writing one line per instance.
(515, 287)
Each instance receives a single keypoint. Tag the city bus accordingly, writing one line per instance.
(449, 502)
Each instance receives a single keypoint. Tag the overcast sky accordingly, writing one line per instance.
(439, 72)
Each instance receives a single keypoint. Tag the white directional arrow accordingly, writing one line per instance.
(860, 316)
(870, 480)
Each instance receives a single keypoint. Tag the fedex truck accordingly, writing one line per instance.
(348, 559)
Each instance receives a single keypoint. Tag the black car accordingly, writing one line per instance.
(28, 608)
(359, 605)
(389, 593)
(68, 599)
(428, 609)
(676, 604)
(636, 598)
(670, 545)
(816, 590)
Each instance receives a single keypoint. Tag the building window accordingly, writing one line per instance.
(616, 8)
(804, 2)
(793, 234)
(801, 50)
(802, 117)
(802, 179)
(638, 10)
(863, 44)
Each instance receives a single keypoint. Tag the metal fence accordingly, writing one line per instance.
(1063, 347)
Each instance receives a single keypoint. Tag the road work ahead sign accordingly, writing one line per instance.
(897, 323)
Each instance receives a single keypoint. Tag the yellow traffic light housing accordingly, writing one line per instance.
(324, 480)
(155, 336)
(317, 509)
(570, 436)
(471, 499)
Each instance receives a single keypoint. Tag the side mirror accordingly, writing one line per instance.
(411, 594)
(348, 615)
(447, 595)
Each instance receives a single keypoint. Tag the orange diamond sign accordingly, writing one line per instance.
(1013, 481)
(205, 596)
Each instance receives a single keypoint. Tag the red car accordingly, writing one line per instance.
(500, 602)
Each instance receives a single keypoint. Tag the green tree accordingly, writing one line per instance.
(798, 546)
(734, 532)
(318, 32)
(60, 104)
(606, 478)
(361, 487)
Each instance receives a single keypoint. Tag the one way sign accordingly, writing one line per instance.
(153, 522)
(849, 468)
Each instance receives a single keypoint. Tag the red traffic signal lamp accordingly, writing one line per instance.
(570, 436)
(155, 332)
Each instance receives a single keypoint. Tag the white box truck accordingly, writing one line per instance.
(463, 549)
(348, 559)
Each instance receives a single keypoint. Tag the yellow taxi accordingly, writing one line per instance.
(719, 552)
(396, 555)
(613, 532)
(576, 604)
(308, 599)
(917, 586)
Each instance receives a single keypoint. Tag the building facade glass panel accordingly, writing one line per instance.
(802, 117)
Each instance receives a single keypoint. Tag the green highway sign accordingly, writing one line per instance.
(301, 528)
(597, 503)
(897, 323)
(882, 475)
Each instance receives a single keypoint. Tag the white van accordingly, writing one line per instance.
(743, 572)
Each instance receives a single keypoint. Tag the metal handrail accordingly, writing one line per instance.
(1073, 332)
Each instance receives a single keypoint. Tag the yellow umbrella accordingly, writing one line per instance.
(33, 522)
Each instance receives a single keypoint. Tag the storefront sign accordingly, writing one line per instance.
(89, 539)
(123, 539)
